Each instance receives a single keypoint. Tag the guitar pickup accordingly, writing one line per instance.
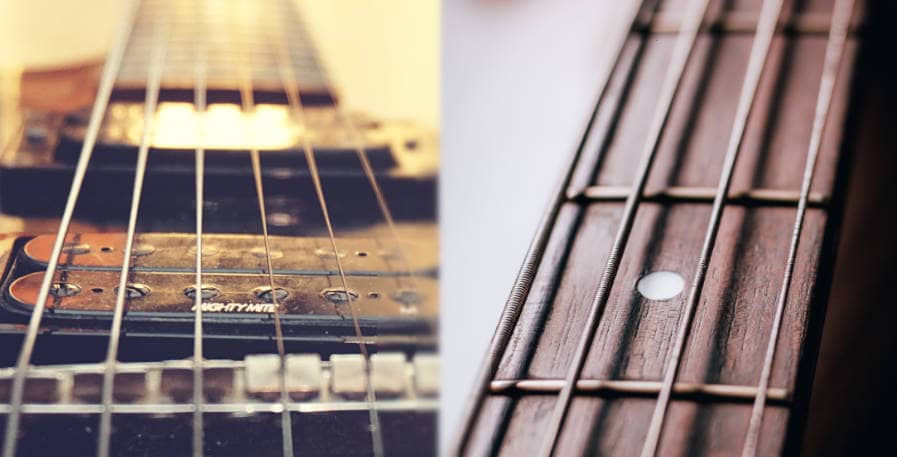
(35, 176)
(393, 306)
(242, 254)
(317, 296)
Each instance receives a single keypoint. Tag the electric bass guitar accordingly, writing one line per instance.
(204, 253)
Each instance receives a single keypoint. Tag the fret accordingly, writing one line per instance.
(632, 340)
(690, 155)
(753, 197)
(702, 392)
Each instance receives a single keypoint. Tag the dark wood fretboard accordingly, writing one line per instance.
(716, 381)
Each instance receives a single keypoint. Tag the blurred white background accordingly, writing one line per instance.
(518, 84)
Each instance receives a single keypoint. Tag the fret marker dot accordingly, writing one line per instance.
(660, 285)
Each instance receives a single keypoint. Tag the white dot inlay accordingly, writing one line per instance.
(660, 285)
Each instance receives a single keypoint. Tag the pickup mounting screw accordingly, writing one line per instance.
(76, 248)
(407, 297)
(208, 292)
(327, 253)
(143, 249)
(264, 293)
(338, 295)
(261, 253)
(207, 250)
(64, 289)
(135, 290)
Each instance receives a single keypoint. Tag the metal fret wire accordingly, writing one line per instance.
(514, 305)
(154, 80)
(672, 81)
(288, 77)
(843, 10)
(248, 104)
(104, 91)
(199, 100)
(769, 15)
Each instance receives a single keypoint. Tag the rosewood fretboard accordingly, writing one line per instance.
(723, 356)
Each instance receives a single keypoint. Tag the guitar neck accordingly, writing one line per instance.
(724, 315)
(266, 31)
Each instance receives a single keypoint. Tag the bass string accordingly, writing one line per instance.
(834, 51)
(374, 417)
(291, 86)
(284, 66)
(199, 100)
(682, 52)
(533, 258)
(382, 204)
(110, 72)
(154, 79)
(248, 105)
(766, 28)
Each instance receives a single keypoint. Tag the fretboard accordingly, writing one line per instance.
(616, 393)
(233, 35)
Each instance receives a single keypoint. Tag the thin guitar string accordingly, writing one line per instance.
(834, 51)
(104, 91)
(376, 433)
(684, 48)
(766, 28)
(513, 306)
(199, 98)
(248, 105)
(382, 203)
(290, 85)
(154, 80)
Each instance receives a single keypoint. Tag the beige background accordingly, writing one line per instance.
(383, 55)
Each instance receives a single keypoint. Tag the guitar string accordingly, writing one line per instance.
(291, 86)
(841, 16)
(104, 91)
(766, 28)
(355, 132)
(684, 48)
(154, 80)
(248, 105)
(199, 99)
(376, 433)
(357, 136)
(533, 257)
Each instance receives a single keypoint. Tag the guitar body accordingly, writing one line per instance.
(317, 310)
